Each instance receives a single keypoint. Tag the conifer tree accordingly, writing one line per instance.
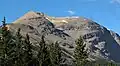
(8, 45)
(19, 49)
(43, 54)
(1, 51)
(55, 54)
(80, 54)
(27, 51)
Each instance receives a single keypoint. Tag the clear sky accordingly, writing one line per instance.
(104, 12)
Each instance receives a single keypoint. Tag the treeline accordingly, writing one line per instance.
(16, 50)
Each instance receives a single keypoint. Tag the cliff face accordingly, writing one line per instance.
(101, 43)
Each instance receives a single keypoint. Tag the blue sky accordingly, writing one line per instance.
(104, 12)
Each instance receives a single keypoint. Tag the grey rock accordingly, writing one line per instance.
(100, 42)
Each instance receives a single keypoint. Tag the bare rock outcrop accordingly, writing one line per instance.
(100, 42)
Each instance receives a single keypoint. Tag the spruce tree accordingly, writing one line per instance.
(55, 54)
(28, 56)
(43, 54)
(1, 51)
(8, 45)
(80, 54)
(19, 49)
(4, 35)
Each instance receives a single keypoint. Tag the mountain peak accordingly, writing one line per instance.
(55, 20)
(28, 15)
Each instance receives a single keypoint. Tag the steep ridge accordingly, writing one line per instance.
(101, 43)
(28, 15)
(38, 26)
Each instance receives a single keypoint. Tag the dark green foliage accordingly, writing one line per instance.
(4, 22)
(8, 45)
(49, 55)
(0, 30)
(111, 64)
(43, 54)
(14, 50)
(27, 51)
(55, 54)
(19, 49)
(80, 54)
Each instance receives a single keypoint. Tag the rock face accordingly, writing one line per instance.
(100, 42)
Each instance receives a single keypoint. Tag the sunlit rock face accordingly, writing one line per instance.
(100, 42)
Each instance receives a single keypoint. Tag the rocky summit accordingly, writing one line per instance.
(101, 43)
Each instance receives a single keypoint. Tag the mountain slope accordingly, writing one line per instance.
(101, 43)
